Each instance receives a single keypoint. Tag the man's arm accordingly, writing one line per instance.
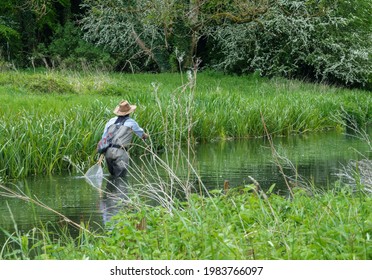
(136, 128)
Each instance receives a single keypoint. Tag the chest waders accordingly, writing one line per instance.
(117, 157)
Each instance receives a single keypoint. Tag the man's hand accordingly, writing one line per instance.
(145, 136)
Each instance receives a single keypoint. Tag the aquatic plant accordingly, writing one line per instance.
(357, 174)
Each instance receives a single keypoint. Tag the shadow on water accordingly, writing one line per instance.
(316, 157)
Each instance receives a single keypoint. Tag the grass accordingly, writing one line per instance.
(46, 117)
(241, 224)
(47, 130)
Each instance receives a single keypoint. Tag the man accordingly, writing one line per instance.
(121, 127)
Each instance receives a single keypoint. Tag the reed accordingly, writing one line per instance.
(63, 113)
(235, 223)
(241, 224)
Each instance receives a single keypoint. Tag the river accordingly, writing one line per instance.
(316, 157)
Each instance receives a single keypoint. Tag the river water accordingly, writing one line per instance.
(317, 159)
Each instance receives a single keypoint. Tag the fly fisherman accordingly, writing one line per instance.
(121, 128)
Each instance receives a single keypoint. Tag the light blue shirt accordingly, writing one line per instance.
(128, 123)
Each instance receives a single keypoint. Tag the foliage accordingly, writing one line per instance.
(46, 117)
(320, 40)
(335, 225)
(69, 51)
(132, 29)
(34, 22)
(153, 31)
(9, 33)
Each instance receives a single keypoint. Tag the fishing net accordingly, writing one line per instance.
(94, 175)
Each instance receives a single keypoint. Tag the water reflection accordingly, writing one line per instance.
(316, 158)
(113, 197)
(68, 195)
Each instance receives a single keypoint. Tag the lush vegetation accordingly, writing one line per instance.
(322, 40)
(242, 224)
(51, 122)
(49, 117)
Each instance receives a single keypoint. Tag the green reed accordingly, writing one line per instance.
(46, 117)
(241, 224)
(41, 126)
(37, 138)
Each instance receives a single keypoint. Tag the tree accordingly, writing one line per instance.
(27, 24)
(155, 30)
(322, 40)
(9, 33)
(68, 50)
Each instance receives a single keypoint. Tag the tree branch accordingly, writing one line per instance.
(142, 44)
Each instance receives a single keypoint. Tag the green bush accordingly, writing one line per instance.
(46, 84)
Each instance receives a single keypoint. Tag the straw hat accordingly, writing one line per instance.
(124, 108)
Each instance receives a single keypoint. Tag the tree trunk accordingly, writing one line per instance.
(195, 27)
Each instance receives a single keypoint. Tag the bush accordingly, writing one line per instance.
(46, 84)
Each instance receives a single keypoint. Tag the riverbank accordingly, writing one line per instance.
(50, 117)
(50, 123)
(241, 224)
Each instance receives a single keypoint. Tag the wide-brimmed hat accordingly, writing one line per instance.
(124, 108)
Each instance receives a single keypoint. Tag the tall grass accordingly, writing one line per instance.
(241, 224)
(37, 137)
(45, 117)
